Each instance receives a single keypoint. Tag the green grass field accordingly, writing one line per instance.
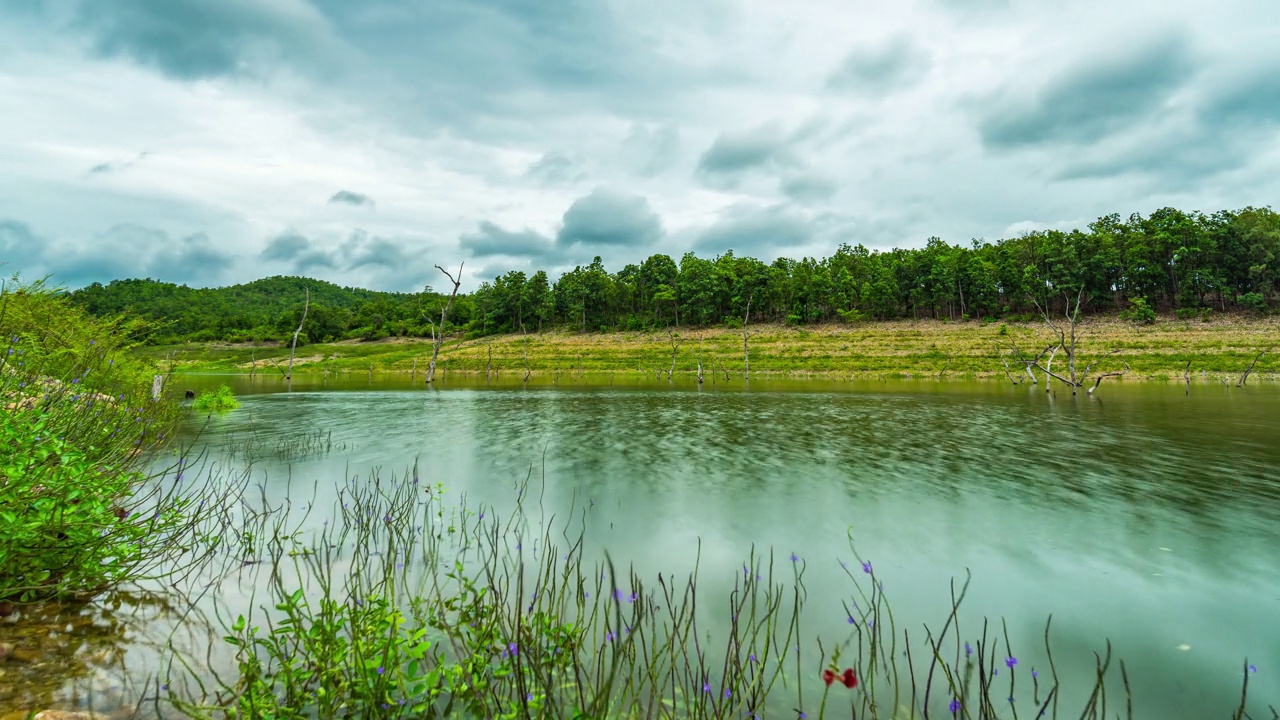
(1220, 349)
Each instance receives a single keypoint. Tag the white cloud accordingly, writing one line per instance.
(475, 127)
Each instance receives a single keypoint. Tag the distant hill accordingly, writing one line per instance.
(266, 309)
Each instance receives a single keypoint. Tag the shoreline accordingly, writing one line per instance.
(1170, 350)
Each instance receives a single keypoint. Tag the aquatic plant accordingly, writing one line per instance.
(212, 400)
(405, 607)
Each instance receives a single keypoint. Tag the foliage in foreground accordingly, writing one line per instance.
(403, 609)
(220, 399)
(78, 515)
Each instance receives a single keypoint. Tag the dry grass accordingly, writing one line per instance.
(1221, 348)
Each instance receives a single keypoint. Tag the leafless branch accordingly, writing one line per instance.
(1245, 377)
(1098, 382)
(438, 339)
(305, 306)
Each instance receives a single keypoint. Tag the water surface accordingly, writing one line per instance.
(1148, 516)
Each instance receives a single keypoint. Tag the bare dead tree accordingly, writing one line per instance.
(1245, 377)
(944, 367)
(676, 341)
(526, 352)
(488, 367)
(438, 338)
(1107, 375)
(724, 370)
(746, 336)
(700, 377)
(1068, 338)
(413, 374)
(1007, 372)
(306, 304)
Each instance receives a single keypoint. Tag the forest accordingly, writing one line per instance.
(1187, 263)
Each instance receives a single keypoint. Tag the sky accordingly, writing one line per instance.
(211, 142)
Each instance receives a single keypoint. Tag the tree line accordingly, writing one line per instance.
(1168, 261)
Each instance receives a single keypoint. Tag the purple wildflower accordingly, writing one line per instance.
(866, 567)
(1011, 661)
(954, 707)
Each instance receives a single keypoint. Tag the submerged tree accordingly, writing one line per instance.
(438, 337)
(306, 305)
(1067, 343)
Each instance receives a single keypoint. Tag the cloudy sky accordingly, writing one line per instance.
(218, 141)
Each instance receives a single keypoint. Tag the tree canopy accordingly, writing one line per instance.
(1169, 260)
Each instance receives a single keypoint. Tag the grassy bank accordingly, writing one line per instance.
(1219, 349)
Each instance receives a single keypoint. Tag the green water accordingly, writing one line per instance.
(1148, 516)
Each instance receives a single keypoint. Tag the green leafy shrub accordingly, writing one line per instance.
(220, 399)
(1139, 312)
(77, 421)
(853, 316)
(1254, 301)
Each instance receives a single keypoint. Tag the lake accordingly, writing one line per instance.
(1148, 516)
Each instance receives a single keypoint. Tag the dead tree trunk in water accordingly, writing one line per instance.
(1245, 377)
(306, 304)
(700, 376)
(444, 317)
(526, 352)
(1068, 343)
(746, 350)
(675, 345)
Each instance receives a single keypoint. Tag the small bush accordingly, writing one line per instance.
(1187, 313)
(1254, 301)
(220, 399)
(1004, 329)
(77, 513)
(1139, 312)
(853, 316)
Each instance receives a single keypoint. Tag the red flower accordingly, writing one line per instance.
(848, 679)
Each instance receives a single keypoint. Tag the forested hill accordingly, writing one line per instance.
(266, 309)
(1171, 261)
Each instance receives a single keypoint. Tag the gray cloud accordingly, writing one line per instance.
(1093, 100)
(492, 240)
(653, 148)
(1246, 102)
(881, 67)
(552, 169)
(115, 166)
(299, 251)
(808, 188)
(346, 197)
(733, 153)
(192, 39)
(1220, 132)
(380, 253)
(286, 247)
(756, 230)
(610, 218)
(193, 257)
(20, 247)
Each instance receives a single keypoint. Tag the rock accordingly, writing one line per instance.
(5, 649)
(65, 715)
